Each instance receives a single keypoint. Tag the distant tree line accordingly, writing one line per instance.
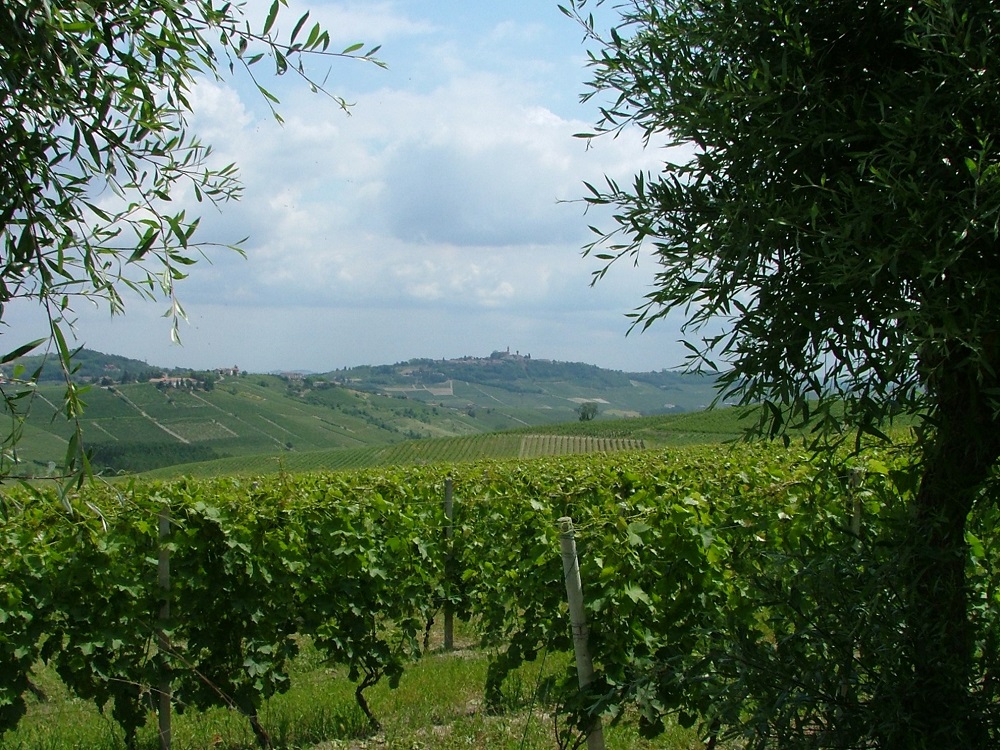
(89, 366)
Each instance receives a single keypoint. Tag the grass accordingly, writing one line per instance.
(437, 706)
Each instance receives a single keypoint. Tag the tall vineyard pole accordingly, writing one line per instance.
(578, 621)
(163, 643)
(449, 514)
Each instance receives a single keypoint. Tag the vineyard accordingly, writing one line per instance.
(447, 450)
(561, 445)
(709, 575)
(136, 427)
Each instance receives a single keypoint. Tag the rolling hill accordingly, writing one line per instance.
(183, 418)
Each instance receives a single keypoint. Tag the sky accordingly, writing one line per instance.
(441, 218)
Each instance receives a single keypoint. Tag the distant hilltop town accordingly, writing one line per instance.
(507, 354)
(204, 380)
(175, 380)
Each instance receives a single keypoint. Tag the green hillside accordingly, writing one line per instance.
(507, 382)
(181, 418)
(723, 425)
(138, 426)
(672, 430)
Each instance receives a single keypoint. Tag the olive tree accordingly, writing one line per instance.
(836, 221)
(94, 102)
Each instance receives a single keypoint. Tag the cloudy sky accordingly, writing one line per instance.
(437, 220)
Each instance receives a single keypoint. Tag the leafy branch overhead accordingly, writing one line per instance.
(94, 106)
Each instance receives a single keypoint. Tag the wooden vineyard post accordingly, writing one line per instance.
(578, 621)
(449, 514)
(163, 643)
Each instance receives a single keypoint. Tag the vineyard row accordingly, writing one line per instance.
(697, 566)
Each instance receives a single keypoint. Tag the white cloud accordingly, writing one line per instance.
(427, 223)
(414, 198)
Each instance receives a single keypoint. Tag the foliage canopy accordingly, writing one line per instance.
(839, 209)
(836, 213)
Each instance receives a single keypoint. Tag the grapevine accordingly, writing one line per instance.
(714, 579)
